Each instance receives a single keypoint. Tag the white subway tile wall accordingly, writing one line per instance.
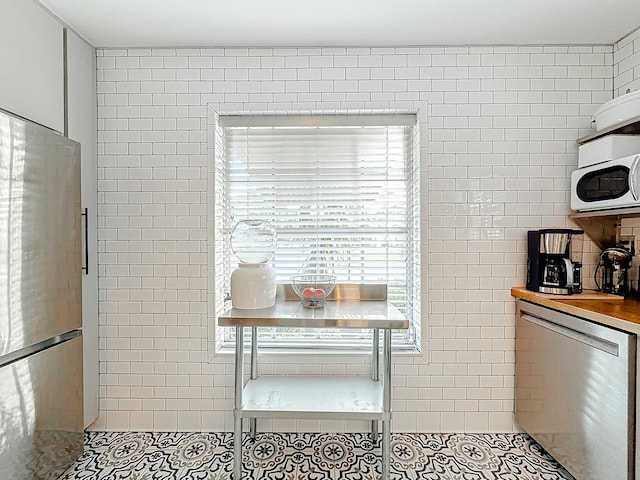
(626, 78)
(626, 69)
(502, 125)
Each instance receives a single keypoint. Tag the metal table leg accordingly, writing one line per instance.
(237, 418)
(375, 376)
(386, 403)
(254, 374)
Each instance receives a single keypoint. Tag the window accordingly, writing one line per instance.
(342, 192)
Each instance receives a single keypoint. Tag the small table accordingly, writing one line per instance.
(312, 396)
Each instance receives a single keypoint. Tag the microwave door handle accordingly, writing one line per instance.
(632, 177)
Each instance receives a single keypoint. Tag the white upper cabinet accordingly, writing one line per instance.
(31, 63)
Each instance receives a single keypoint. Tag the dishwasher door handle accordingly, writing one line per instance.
(588, 339)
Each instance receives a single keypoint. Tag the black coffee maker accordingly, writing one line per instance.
(550, 268)
(614, 265)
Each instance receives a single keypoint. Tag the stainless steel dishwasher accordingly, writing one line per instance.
(575, 391)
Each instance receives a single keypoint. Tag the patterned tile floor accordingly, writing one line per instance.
(313, 456)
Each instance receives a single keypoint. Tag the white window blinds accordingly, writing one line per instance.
(336, 189)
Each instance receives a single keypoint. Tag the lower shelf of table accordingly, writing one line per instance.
(355, 398)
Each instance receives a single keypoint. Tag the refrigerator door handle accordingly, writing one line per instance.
(9, 358)
(85, 214)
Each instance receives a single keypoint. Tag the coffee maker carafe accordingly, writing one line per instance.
(550, 268)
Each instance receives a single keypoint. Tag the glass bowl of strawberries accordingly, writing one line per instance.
(313, 288)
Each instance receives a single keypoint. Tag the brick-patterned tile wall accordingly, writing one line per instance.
(502, 124)
(626, 68)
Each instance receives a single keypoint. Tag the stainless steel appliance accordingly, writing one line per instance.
(550, 268)
(41, 418)
(575, 391)
(614, 265)
(607, 185)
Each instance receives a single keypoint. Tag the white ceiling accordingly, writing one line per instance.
(158, 23)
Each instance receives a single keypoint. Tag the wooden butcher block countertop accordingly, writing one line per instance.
(602, 308)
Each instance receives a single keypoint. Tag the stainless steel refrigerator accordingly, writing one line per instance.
(41, 420)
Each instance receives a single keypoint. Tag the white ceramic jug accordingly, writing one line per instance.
(253, 283)
(253, 286)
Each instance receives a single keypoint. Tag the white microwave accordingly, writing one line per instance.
(606, 185)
